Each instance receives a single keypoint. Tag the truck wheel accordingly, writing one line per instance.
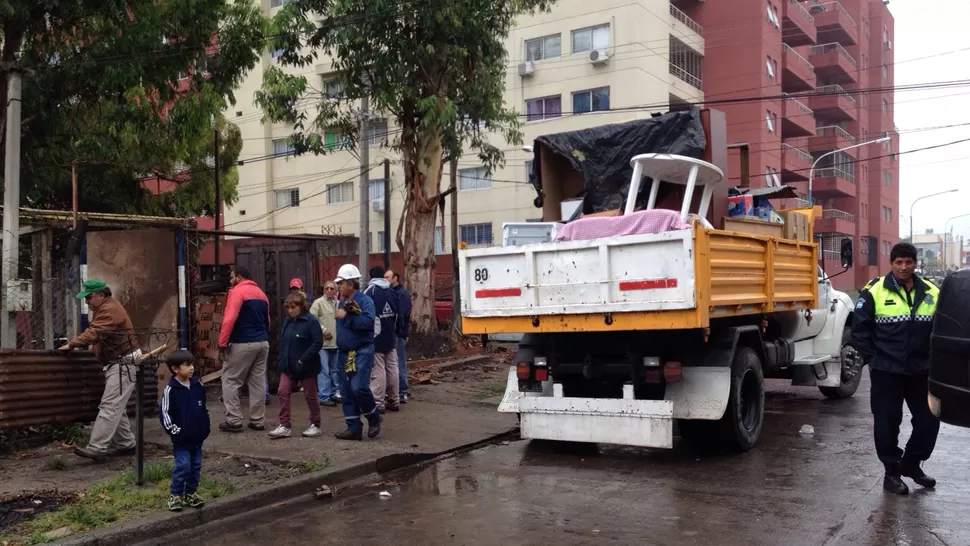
(848, 385)
(744, 416)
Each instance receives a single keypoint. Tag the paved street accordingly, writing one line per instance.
(823, 489)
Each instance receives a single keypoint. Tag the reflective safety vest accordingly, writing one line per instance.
(891, 328)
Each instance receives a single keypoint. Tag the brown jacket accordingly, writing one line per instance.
(110, 333)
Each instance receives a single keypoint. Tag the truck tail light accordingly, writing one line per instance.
(673, 372)
(652, 376)
(523, 370)
(541, 371)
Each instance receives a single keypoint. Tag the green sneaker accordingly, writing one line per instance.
(193, 500)
(175, 503)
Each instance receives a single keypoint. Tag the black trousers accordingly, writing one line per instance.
(887, 395)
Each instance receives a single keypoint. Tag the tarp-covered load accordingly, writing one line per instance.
(602, 155)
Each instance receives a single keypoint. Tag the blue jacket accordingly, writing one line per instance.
(246, 319)
(300, 347)
(356, 331)
(404, 311)
(386, 304)
(183, 413)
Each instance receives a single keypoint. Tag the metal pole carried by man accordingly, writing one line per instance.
(112, 337)
(891, 329)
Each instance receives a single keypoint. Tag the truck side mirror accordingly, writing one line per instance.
(846, 253)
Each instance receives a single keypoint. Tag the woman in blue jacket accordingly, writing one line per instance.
(299, 363)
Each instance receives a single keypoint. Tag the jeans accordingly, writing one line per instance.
(888, 392)
(328, 382)
(187, 471)
(358, 398)
(402, 366)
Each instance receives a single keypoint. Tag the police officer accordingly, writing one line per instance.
(891, 330)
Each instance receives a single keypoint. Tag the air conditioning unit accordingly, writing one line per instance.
(598, 56)
(377, 205)
(527, 68)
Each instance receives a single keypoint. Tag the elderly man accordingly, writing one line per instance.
(328, 382)
(115, 345)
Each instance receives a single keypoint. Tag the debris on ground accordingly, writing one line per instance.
(807, 429)
(384, 495)
(323, 492)
(15, 509)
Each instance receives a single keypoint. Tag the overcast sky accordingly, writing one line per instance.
(924, 28)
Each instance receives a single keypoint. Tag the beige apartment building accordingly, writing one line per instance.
(579, 66)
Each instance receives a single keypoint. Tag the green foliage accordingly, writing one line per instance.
(101, 88)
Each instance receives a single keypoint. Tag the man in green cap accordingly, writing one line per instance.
(112, 337)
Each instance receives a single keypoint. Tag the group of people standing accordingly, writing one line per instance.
(347, 347)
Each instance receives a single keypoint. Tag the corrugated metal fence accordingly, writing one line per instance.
(49, 387)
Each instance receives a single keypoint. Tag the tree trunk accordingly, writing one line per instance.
(422, 180)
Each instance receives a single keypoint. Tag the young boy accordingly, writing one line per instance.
(186, 419)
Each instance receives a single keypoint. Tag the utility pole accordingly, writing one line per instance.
(364, 189)
(455, 293)
(11, 205)
(387, 213)
(218, 212)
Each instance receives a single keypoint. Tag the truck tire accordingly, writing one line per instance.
(847, 388)
(740, 427)
(745, 413)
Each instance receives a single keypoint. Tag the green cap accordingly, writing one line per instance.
(91, 286)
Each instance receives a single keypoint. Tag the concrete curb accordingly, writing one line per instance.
(166, 523)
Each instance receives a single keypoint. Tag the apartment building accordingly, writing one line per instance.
(575, 67)
(811, 61)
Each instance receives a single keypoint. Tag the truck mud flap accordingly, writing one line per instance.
(643, 423)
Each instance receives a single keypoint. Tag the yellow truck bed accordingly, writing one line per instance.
(672, 280)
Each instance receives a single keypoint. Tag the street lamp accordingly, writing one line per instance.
(811, 172)
(914, 204)
(946, 231)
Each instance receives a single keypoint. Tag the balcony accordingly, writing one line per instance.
(833, 103)
(686, 29)
(836, 221)
(797, 120)
(831, 137)
(797, 24)
(686, 64)
(834, 24)
(834, 183)
(795, 164)
(833, 62)
(797, 73)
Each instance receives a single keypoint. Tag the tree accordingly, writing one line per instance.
(436, 67)
(127, 89)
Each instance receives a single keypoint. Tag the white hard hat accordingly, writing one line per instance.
(347, 272)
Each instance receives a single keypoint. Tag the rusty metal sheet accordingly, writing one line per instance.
(49, 387)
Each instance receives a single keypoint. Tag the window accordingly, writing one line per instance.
(276, 52)
(885, 106)
(528, 170)
(594, 100)
(333, 88)
(334, 139)
(772, 15)
(543, 48)
(685, 63)
(544, 108)
(380, 241)
(370, 242)
(885, 72)
(863, 245)
(887, 214)
(771, 177)
(769, 121)
(376, 131)
(473, 179)
(439, 242)
(589, 38)
(375, 190)
(475, 234)
(281, 147)
(887, 178)
(288, 198)
(769, 68)
(340, 193)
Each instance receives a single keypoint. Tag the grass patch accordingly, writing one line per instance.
(314, 465)
(55, 463)
(114, 500)
(72, 433)
(488, 391)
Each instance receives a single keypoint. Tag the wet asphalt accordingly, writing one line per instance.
(792, 489)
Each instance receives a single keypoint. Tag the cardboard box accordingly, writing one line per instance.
(753, 226)
(796, 226)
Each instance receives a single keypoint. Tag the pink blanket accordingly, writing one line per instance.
(644, 221)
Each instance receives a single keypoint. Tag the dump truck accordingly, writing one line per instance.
(633, 319)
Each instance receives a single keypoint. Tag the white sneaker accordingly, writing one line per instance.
(280, 432)
(312, 432)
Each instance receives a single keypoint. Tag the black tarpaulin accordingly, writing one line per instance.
(602, 154)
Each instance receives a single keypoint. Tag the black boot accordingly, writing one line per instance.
(349, 435)
(893, 482)
(912, 470)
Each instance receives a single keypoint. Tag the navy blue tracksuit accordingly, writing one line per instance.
(184, 416)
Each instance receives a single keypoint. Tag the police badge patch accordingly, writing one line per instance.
(860, 303)
(928, 299)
